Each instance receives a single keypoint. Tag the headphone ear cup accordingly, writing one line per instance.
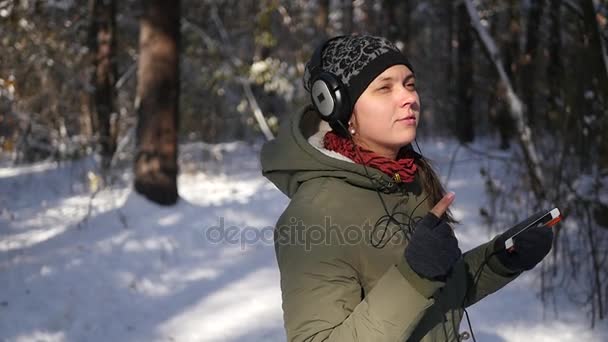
(330, 98)
(323, 98)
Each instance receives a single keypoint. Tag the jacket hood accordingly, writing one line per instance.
(297, 155)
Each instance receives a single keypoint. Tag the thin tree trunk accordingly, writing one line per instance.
(596, 65)
(515, 106)
(510, 43)
(404, 27)
(347, 16)
(323, 17)
(390, 9)
(529, 58)
(594, 42)
(464, 122)
(555, 69)
(157, 102)
(450, 81)
(512, 50)
(449, 43)
(86, 116)
(102, 44)
(582, 104)
(370, 15)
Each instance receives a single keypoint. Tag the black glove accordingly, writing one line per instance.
(531, 246)
(433, 248)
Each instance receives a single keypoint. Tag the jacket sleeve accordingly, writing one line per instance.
(322, 294)
(485, 274)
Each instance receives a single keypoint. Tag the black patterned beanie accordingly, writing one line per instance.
(357, 60)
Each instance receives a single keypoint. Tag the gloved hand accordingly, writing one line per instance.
(433, 248)
(531, 246)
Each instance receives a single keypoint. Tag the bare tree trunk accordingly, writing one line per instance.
(510, 43)
(347, 16)
(405, 11)
(515, 106)
(512, 50)
(596, 65)
(370, 15)
(157, 102)
(102, 44)
(593, 41)
(528, 60)
(559, 118)
(449, 44)
(390, 10)
(86, 124)
(450, 81)
(464, 121)
(555, 68)
(579, 123)
(323, 18)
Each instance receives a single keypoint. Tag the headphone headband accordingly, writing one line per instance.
(316, 60)
(328, 95)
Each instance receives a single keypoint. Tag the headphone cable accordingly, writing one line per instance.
(391, 218)
(404, 227)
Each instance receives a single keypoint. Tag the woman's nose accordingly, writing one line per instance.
(407, 96)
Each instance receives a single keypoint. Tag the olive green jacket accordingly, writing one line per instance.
(340, 252)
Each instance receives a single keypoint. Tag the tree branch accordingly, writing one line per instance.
(516, 109)
(236, 63)
(126, 75)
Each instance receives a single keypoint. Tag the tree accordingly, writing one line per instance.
(396, 21)
(508, 35)
(102, 44)
(347, 16)
(464, 121)
(156, 102)
(555, 68)
(594, 98)
(569, 175)
(323, 18)
(528, 60)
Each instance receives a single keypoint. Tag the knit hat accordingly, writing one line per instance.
(356, 61)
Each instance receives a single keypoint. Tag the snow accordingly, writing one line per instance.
(587, 187)
(203, 270)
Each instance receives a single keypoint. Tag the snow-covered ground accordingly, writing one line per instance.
(203, 270)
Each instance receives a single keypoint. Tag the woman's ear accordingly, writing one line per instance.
(353, 121)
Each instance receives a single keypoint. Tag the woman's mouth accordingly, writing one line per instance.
(408, 120)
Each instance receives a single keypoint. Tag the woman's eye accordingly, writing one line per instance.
(384, 88)
(411, 85)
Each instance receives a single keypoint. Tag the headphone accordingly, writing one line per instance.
(328, 94)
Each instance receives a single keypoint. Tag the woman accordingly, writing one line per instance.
(365, 247)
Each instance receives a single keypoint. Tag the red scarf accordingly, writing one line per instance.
(401, 170)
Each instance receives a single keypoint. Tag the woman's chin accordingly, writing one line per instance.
(406, 139)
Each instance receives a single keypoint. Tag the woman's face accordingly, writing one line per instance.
(386, 115)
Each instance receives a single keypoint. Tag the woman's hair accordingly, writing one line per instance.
(431, 185)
